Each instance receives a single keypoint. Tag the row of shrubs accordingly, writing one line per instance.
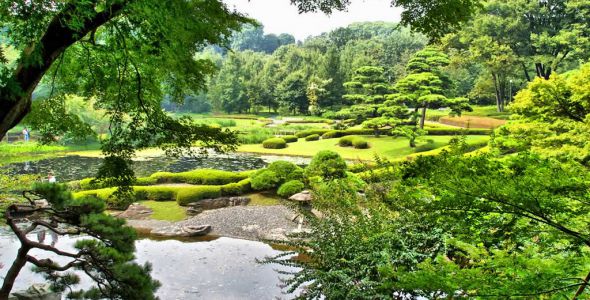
(182, 195)
(331, 134)
(281, 142)
(199, 176)
(354, 141)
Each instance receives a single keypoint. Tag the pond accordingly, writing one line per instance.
(67, 168)
(222, 268)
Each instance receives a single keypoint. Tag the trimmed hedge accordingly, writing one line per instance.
(313, 137)
(237, 188)
(197, 193)
(290, 138)
(200, 176)
(458, 131)
(360, 143)
(305, 133)
(274, 143)
(181, 194)
(290, 188)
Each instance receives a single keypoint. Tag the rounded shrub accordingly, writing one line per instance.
(332, 134)
(313, 137)
(326, 164)
(274, 143)
(290, 188)
(290, 138)
(360, 143)
(346, 141)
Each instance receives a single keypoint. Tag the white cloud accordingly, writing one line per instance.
(279, 16)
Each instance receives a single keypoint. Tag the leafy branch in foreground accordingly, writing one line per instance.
(105, 253)
(449, 225)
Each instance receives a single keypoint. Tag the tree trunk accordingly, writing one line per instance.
(14, 106)
(424, 108)
(17, 265)
(526, 72)
(499, 94)
(543, 72)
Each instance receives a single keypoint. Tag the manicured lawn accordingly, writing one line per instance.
(489, 111)
(386, 146)
(166, 210)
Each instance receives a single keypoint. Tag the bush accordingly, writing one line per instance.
(290, 188)
(313, 137)
(189, 195)
(236, 188)
(346, 141)
(360, 143)
(200, 176)
(309, 132)
(290, 138)
(274, 143)
(264, 180)
(326, 164)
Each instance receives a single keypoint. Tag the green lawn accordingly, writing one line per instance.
(166, 210)
(386, 146)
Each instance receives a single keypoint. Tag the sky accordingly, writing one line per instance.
(279, 16)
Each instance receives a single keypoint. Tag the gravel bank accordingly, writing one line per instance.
(247, 222)
(244, 222)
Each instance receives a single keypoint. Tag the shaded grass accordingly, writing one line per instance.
(165, 210)
(478, 111)
(388, 147)
(263, 199)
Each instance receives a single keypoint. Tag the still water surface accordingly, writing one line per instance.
(222, 268)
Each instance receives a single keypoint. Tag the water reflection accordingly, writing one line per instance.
(69, 168)
(221, 268)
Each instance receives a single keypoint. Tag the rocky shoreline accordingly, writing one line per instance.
(243, 222)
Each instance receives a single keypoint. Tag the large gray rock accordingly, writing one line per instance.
(208, 204)
(178, 230)
(136, 211)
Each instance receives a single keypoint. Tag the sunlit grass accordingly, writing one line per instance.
(385, 146)
(166, 210)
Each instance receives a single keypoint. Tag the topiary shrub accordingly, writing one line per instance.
(313, 137)
(283, 169)
(290, 138)
(189, 195)
(360, 143)
(326, 164)
(274, 143)
(157, 193)
(346, 141)
(264, 180)
(290, 188)
(143, 181)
